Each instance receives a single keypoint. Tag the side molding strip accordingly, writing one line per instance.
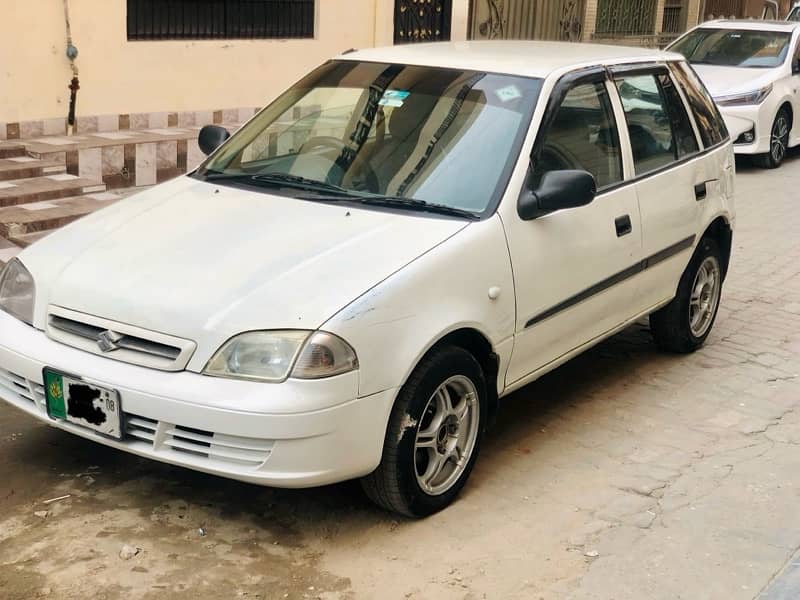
(603, 285)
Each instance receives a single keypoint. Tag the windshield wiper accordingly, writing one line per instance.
(400, 202)
(414, 204)
(279, 179)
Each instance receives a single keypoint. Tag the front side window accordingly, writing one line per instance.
(734, 47)
(582, 135)
(648, 119)
(709, 121)
(367, 130)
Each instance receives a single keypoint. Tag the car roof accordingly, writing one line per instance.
(527, 58)
(751, 25)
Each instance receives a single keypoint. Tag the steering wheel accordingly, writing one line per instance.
(321, 141)
(361, 176)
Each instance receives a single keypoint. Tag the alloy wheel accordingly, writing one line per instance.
(446, 435)
(779, 137)
(705, 296)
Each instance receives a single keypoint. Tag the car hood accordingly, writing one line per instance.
(205, 262)
(725, 81)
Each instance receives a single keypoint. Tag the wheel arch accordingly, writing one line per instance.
(788, 106)
(721, 232)
(477, 344)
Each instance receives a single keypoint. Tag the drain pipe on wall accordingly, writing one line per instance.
(74, 85)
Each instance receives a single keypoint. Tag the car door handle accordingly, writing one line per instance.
(701, 189)
(623, 225)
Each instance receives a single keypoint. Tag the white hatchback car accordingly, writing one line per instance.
(752, 68)
(348, 284)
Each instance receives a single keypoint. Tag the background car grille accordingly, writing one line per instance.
(128, 343)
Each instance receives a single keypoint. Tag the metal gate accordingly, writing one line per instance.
(422, 20)
(527, 20)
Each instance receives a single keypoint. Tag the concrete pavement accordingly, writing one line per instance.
(626, 474)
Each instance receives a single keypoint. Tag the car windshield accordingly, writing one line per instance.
(734, 47)
(445, 137)
(794, 15)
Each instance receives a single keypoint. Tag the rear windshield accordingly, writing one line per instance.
(734, 47)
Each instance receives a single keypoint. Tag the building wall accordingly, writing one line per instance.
(117, 76)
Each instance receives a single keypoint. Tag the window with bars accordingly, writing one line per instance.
(220, 19)
(622, 17)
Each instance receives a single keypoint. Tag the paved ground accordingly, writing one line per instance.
(625, 474)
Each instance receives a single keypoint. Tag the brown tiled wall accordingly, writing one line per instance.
(107, 123)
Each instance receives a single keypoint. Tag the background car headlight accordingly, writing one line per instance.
(17, 291)
(754, 97)
(275, 355)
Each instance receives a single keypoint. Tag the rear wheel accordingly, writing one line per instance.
(778, 141)
(684, 324)
(433, 437)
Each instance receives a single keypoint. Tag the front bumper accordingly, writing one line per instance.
(236, 429)
(740, 119)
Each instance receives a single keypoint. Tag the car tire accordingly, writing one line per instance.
(778, 141)
(684, 324)
(425, 426)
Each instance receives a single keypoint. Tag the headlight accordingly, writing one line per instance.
(747, 98)
(17, 291)
(276, 355)
(324, 355)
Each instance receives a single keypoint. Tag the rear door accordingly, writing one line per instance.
(674, 177)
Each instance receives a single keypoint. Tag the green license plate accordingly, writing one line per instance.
(77, 401)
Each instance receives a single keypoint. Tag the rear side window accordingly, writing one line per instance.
(649, 125)
(582, 135)
(709, 121)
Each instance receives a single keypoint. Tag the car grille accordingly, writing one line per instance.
(231, 449)
(160, 437)
(118, 341)
(16, 385)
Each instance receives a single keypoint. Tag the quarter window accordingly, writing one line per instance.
(583, 135)
(685, 140)
(709, 121)
(649, 126)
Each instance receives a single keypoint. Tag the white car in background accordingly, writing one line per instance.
(752, 68)
(347, 286)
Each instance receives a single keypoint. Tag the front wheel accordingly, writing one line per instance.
(684, 324)
(778, 141)
(433, 437)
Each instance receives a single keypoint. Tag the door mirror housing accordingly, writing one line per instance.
(556, 191)
(211, 137)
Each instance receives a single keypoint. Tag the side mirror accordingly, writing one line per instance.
(211, 138)
(556, 191)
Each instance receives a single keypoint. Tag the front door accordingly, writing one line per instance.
(575, 270)
(794, 89)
